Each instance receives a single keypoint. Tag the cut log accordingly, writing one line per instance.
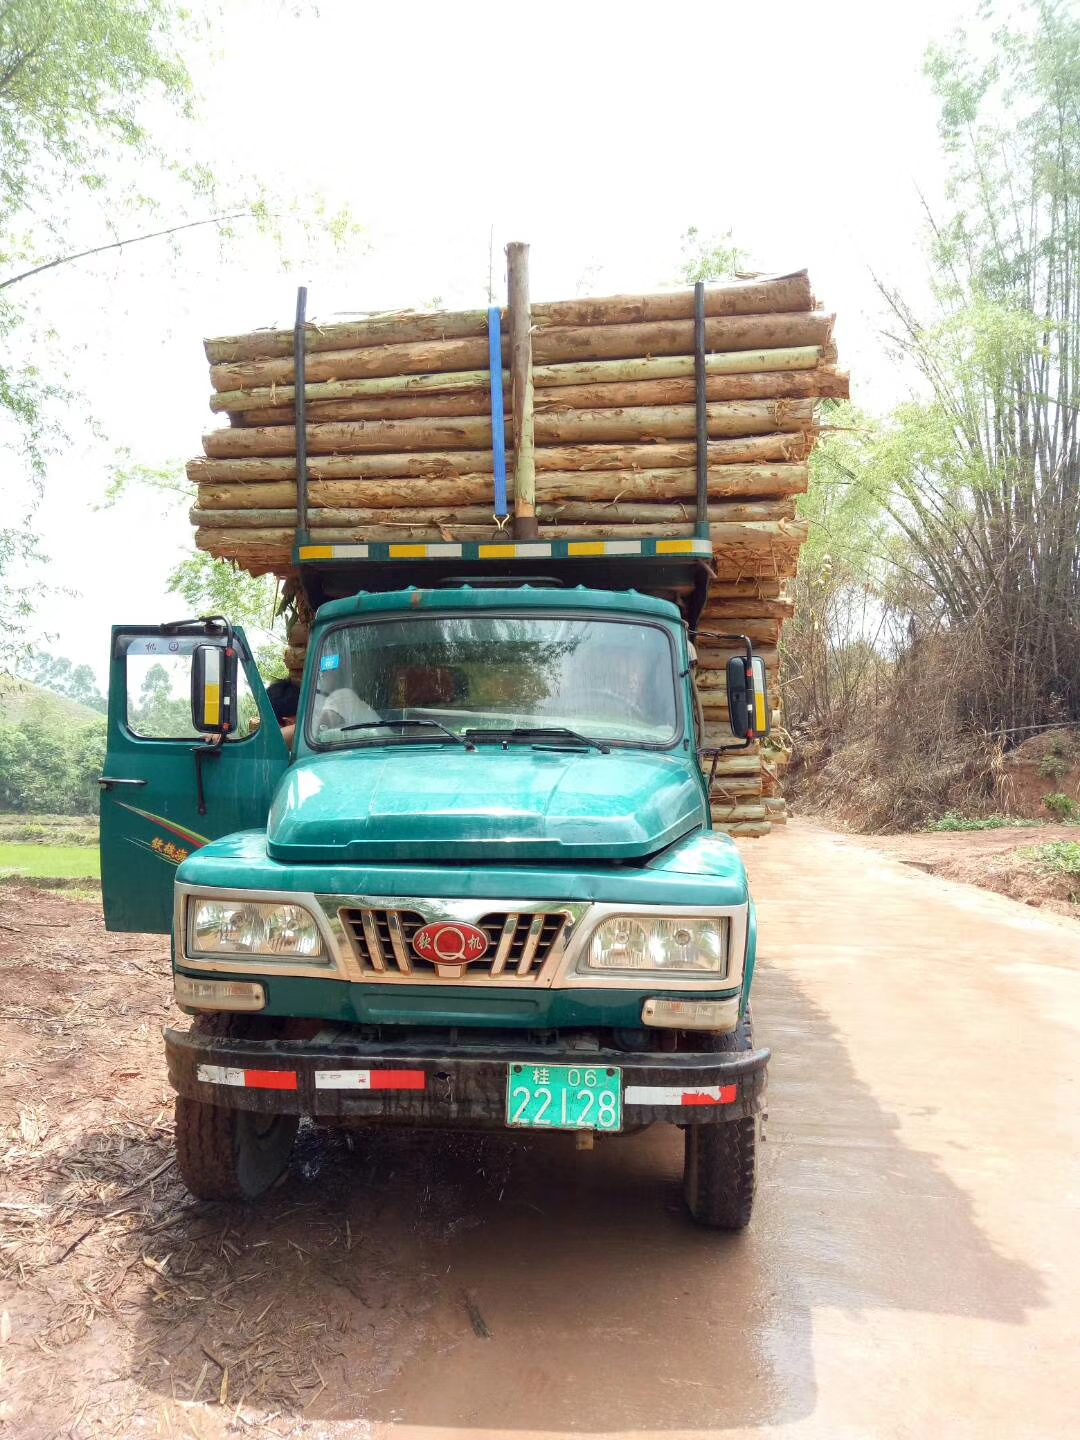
(642, 368)
(552, 345)
(733, 789)
(805, 384)
(588, 516)
(736, 482)
(753, 297)
(761, 632)
(732, 418)
(572, 376)
(733, 814)
(408, 407)
(380, 387)
(801, 384)
(333, 467)
(522, 416)
(724, 588)
(754, 830)
(718, 614)
(661, 455)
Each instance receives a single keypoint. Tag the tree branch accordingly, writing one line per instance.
(119, 244)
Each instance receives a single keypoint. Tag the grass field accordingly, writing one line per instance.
(49, 862)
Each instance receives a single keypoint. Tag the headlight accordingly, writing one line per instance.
(668, 944)
(244, 927)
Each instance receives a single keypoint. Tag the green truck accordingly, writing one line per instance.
(479, 889)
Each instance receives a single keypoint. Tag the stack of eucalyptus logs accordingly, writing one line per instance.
(399, 446)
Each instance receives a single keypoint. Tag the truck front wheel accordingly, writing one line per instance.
(720, 1161)
(231, 1154)
(719, 1171)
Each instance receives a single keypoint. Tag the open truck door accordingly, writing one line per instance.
(180, 770)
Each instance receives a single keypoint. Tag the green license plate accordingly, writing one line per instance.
(564, 1097)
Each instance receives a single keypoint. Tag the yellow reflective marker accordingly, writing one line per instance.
(497, 552)
(408, 552)
(316, 552)
(674, 547)
(211, 704)
(585, 547)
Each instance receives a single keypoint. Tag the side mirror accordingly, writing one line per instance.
(749, 712)
(214, 676)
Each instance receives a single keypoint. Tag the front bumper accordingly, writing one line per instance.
(334, 1076)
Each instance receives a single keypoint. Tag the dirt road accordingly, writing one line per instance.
(912, 1268)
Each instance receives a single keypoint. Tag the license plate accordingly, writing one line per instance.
(564, 1097)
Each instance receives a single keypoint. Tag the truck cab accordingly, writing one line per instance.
(481, 889)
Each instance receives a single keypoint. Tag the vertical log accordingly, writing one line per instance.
(521, 390)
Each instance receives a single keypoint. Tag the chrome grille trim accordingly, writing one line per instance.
(563, 967)
(520, 943)
(374, 944)
(506, 939)
(532, 941)
(397, 940)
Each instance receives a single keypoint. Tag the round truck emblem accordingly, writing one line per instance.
(450, 947)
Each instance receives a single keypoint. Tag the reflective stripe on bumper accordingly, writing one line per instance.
(333, 1074)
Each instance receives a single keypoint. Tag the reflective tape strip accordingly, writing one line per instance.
(370, 1080)
(219, 1075)
(586, 547)
(247, 1079)
(684, 547)
(425, 552)
(270, 1079)
(333, 552)
(676, 1095)
(533, 550)
(499, 552)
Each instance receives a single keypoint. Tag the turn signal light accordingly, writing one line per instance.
(218, 994)
(719, 1015)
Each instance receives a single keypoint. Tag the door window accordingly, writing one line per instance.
(159, 690)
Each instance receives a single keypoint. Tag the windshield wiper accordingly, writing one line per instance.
(403, 724)
(532, 732)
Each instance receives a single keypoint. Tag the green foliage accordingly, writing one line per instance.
(157, 711)
(1063, 806)
(981, 475)
(953, 821)
(214, 587)
(76, 682)
(937, 599)
(1059, 759)
(49, 862)
(51, 768)
(714, 257)
(76, 78)
(1062, 857)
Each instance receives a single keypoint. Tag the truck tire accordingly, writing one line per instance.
(231, 1154)
(720, 1161)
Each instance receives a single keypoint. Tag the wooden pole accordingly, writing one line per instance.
(521, 390)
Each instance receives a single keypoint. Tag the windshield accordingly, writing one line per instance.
(611, 680)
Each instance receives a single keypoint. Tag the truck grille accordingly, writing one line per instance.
(518, 943)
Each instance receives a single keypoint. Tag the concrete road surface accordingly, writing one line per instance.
(913, 1266)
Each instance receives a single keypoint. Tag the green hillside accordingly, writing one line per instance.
(19, 700)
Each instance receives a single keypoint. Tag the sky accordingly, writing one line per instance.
(598, 132)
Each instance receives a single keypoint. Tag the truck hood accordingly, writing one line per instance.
(514, 806)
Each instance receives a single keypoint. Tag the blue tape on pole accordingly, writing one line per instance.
(498, 419)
